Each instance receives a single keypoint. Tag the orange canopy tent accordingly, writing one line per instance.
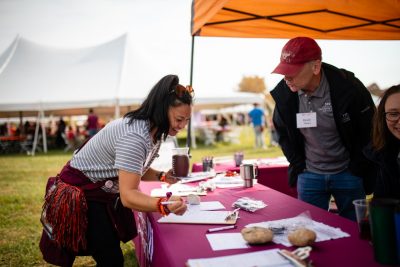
(318, 19)
(328, 19)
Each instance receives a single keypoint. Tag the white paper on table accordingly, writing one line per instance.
(264, 258)
(224, 241)
(222, 179)
(177, 189)
(324, 232)
(196, 216)
(196, 176)
(207, 205)
(211, 205)
(273, 161)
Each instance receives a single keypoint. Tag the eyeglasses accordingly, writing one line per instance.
(392, 116)
(180, 90)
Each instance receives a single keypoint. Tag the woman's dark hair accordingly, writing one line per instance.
(380, 131)
(166, 93)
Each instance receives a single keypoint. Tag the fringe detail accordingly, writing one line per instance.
(66, 211)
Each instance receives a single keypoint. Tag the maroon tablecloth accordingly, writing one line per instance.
(171, 245)
(273, 175)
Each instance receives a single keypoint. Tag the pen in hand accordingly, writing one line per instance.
(168, 202)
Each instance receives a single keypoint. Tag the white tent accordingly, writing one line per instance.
(36, 78)
(86, 77)
(220, 100)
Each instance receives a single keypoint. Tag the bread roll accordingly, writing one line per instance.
(257, 235)
(302, 237)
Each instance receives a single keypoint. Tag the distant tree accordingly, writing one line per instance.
(252, 84)
(255, 84)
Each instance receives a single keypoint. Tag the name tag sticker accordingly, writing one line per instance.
(306, 120)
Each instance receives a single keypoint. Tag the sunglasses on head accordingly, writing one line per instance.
(180, 90)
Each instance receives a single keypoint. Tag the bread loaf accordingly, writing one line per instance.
(302, 237)
(257, 235)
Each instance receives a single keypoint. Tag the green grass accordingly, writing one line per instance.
(22, 183)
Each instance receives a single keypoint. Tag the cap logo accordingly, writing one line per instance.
(287, 56)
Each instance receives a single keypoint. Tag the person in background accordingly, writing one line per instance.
(60, 133)
(70, 139)
(274, 138)
(384, 149)
(92, 123)
(223, 124)
(323, 116)
(108, 170)
(257, 118)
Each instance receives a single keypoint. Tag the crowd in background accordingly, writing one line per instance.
(60, 134)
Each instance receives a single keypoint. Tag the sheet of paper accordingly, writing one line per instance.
(224, 241)
(177, 190)
(211, 205)
(196, 176)
(265, 258)
(196, 216)
(207, 205)
(273, 161)
(222, 181)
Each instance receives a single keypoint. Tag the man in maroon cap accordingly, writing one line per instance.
(323, 117)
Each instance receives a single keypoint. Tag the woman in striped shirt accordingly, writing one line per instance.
(88, 209)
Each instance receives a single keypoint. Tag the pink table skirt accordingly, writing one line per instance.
(274, 176)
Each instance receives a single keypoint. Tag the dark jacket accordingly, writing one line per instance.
(353, 109)
(388, 176)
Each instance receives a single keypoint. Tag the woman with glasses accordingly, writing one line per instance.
(385, 148)
(88, 209)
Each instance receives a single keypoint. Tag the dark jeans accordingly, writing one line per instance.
(317, 190)
(103, 241)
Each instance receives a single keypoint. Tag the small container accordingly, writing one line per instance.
(248, 172)
(238, 157)
(362, 215)
(208, 164)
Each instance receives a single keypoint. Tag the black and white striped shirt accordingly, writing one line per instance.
(118, 146)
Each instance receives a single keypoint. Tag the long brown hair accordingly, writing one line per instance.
(380, 131)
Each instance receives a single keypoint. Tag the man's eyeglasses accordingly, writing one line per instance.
(180, 90)
(392, 116)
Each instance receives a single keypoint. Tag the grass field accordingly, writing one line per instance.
(22, 183)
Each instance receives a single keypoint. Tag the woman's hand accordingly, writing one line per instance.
(170, 178)
(178, 207)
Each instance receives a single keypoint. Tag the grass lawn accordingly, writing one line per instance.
(22, 184)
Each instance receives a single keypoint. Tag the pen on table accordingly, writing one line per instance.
(221, 228)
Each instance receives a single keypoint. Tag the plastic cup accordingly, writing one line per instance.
(362, 214)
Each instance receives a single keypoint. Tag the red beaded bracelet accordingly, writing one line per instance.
(162, 208)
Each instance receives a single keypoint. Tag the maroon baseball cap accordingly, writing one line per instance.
(296, 53)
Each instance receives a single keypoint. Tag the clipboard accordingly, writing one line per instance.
(203, 217)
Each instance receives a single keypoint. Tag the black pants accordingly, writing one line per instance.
(103, 241)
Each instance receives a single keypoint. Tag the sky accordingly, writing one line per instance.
(160, 43)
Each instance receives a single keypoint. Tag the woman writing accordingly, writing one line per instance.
(88, 210)
(385, 148)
